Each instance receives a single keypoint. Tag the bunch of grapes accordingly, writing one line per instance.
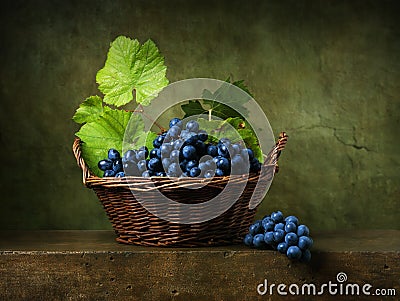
(283, 234)
(182, 151)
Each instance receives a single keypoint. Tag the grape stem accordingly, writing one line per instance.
(141, 111)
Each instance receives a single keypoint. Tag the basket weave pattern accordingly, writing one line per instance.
(133, 224)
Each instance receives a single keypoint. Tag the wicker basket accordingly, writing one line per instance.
(133, 224)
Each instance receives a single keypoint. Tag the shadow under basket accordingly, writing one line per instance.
(134, 224)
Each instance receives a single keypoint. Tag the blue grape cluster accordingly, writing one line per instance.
(182, 151)
(285, 235)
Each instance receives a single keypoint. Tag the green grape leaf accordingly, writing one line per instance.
(130, 66)
(193, 107)
(240, 84)
(101, 135)
(222, 100)
(251, 141)
(225, 94)
(136, 136)
(90, 110)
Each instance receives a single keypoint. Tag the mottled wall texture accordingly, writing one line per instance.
(327, 72)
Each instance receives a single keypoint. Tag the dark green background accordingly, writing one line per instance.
(327, 72)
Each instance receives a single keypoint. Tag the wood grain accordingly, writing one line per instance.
(89, 265)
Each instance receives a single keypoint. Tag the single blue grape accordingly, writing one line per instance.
(105, 164)
(255, 228)
(142, 165)
(189, 152)
(145, 149)
(292, 218)
(174, 155)
(194, 172)
(203, 166)
(174, 170)
(155, 153)
(131, 169)
(166, 162)
(175, 122)
(140, 155)
(268, 224)
(219, 172)
(178, 144)
(185, 134)
(117, 165)
(120, 174)
(223, 164)
(203, 136)
(236, 149)
(130, 155)
(113, 154)
(291, 239)
(165, 150)
(209, 174)
(155, 164)
(237, 160)
(248, 240)
(282, 247)
(277, 216)
(174, 132)
(238, 165)
(303, 230)
(305, 242)
(192, 140)
(109, 173)
(247, 153)
(147, 174)
(192, 126)
(294, 253)
(212, 150)
(269, 238)
(223, 150)
(279, 236)
(225, 141)
(158, 141)
(211, 164)
(290, 227)
(279, 226)
(258, 241)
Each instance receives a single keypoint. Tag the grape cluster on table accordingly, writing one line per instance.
(286, 235)
(182, 151)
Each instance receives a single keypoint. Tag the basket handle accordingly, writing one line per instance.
(76, 148)
(273, 156)
(280, 146)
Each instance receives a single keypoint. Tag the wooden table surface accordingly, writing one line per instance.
(104, 240)
(90, 265)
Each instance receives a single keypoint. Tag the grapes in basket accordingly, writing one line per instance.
(182, 151)
(286, 235)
